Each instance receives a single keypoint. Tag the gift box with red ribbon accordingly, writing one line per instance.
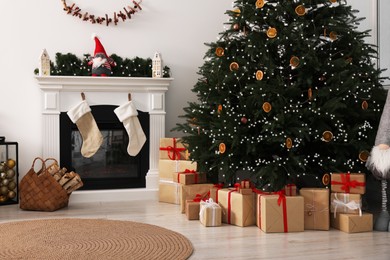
(280, 213)
(290, 189)
(354, 183)
(238, 209)
(189, 192)
(316, 208)
(173, 149)
(188, 177)
(214, 192)
(193, 207)
(167, 168)
(169, 192)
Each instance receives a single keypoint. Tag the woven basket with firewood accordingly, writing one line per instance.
(49, 188)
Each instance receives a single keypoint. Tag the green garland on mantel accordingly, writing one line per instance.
(70, 65)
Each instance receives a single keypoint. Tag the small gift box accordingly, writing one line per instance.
(169, 192)
(346, 203)
(191, 191)
(214, 192)
(280, 213)
(188, 177)
(290, 190)
(210, 214)
(193, 208)
(244, 187)
(173, 149)
(354, 183)
(351, 223)
(316, 206)
(166, 168)
(238, 209)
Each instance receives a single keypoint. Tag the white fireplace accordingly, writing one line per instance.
(60, 93)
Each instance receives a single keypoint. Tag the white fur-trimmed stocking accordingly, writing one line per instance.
(92, 138)
(127, 114)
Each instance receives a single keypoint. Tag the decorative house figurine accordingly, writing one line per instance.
(156, 66)
(44, 64)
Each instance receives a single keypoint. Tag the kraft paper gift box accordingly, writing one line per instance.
(316, 207)
(173, 149)
(169, 192)
(189, 192)
(189, 177)
(290, 190)
(192, 209)
(166, 168)
(352, 223)
(214, 192)
(237, 209)
(210, 214)
(345, 203)
(354, 183)
(280, 213)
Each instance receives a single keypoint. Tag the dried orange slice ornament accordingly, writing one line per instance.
(222, 148)
(272, 32)
(219, 51)
(260, 3)
(333, 35)
(363, 155)
(300, 10)
(234, 66)
(289, 143)
(267, 107)
(327, 136)
(259, 75)
(364, 105)
(294, 61)
(326, 179)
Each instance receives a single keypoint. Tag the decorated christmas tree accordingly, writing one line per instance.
(290, 90)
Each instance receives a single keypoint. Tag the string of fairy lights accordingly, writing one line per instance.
(361, 93)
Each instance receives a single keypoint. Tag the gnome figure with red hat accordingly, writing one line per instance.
(101, 62)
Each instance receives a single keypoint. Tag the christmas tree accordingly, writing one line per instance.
(290, 90)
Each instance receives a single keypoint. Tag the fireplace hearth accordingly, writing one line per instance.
(61, 93)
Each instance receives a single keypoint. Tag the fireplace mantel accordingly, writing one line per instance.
(60, 93)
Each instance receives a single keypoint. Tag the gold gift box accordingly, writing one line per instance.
(169, 192)
(210, 214)
(241, 210)
(173, 149)
(188, 178)
(272, 218)
(316, 207)
(351, 223)
(344, 182)
(345, 203)
(167, 168)
(189, 192)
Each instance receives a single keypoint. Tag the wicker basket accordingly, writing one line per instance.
(40, 191)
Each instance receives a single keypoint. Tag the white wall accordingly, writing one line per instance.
(176, 28)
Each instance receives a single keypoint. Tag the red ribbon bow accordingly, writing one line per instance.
(346, 182)
(282, 200)
(173, 151)
(197, 198)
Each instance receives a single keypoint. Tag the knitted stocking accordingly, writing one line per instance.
(127, 114)
(92, 138)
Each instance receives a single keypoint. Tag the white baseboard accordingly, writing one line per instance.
(113, 195)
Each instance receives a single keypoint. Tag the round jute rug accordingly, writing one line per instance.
(90, 239)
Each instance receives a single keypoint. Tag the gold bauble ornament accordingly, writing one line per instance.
(11, 194)
(363, 156)
(3, 198)
(259, 3)
(300, 10)
(11, 163)
(237, 11)
(294, 61)
(219, 51)
(234, 66)
(289, 143)
(259, 75)
(10, 173)
(364, 105)
(222, 148)
(327, 136)
(267, 107)
(4, 190)
(11, 185)
(326, 179)
(272, 32)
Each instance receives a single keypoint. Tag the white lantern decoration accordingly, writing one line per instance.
(157, 66)
(44, 64)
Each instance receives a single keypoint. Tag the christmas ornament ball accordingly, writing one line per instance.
(10, 173)
(244, 120)
(11, 163)
(11, 185)
(2, 167)
(4, 190)
(5, 182)
(3, 198)
(3, 175)
(11, 194)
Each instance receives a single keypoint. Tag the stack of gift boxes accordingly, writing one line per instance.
(288, 210)
(346, 201)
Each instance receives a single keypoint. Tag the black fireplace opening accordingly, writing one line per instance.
(111, 167)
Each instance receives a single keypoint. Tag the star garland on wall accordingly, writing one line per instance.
(121, 16)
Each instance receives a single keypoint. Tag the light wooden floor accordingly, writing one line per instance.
(229, 242)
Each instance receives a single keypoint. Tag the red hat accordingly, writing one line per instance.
(98, 46)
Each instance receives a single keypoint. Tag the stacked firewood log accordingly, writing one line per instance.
(70, 181)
